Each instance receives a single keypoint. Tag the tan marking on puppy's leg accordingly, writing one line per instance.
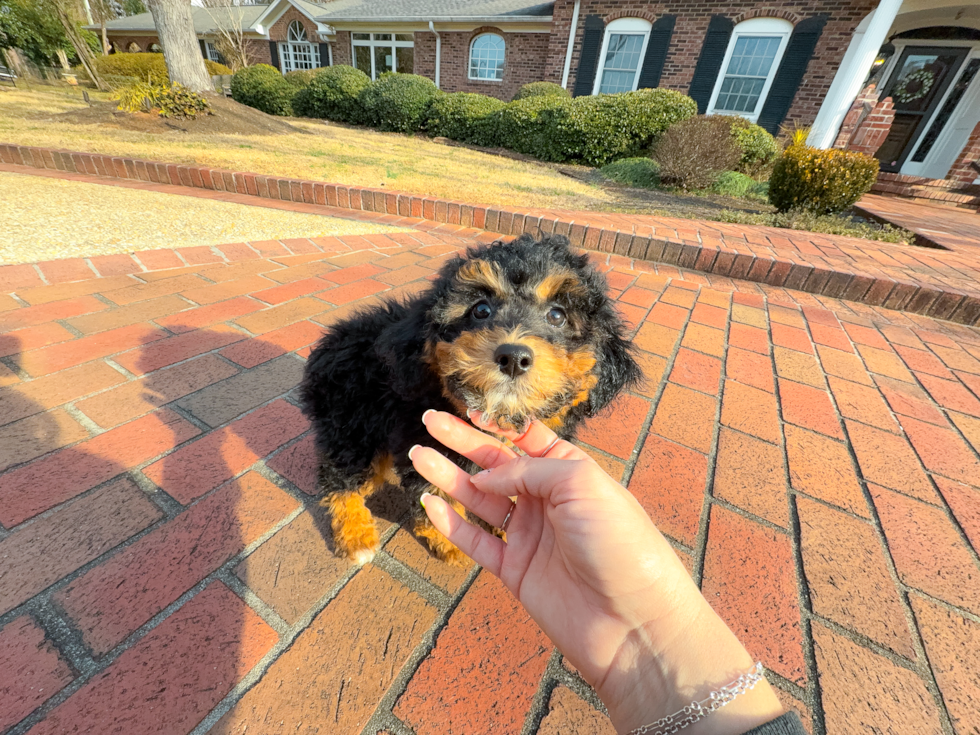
(355, 534)
(443, 548)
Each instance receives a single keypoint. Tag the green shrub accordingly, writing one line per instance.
(300, 78)
(820, 181)
(179, 102)
(464, 116)
(693, 153)
(398, 102)
(650, 112)
(519, 126)
(734, 184)
(541, 89)
(594, 130)
(641, 173)
(759, 149)
(333, 94)
(828, 224)
(264, 88)
(150, 67)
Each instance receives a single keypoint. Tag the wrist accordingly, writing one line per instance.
(662, 667)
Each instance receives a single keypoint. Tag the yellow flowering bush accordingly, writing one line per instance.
(820, 181)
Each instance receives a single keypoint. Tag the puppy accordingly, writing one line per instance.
(516, 331)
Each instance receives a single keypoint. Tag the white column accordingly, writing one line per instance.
(868, 38)
(571, 45)
(432, 28)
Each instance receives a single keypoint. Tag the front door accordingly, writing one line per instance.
(918, 83)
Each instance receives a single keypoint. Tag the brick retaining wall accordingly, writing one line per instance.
(584, 230)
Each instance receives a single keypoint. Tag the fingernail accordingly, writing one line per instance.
(480, 475)
(424, 496)
(412, 450)
(431, 410)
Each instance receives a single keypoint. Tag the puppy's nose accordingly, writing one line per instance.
(513, 360)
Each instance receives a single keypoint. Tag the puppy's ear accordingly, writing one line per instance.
(617, 370)
(401, 347)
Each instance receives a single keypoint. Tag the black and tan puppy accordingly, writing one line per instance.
(516, 331)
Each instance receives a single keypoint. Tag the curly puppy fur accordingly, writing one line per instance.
(518, 331)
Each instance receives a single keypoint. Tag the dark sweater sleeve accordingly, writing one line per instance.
(787, 724)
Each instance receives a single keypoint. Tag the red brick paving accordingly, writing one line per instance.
(814, 462)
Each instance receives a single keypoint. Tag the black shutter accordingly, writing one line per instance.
(709, 62)
(788, 78)
(324, 54)
(274, 54)
(656, 56)
(204, 48)
(589, 58)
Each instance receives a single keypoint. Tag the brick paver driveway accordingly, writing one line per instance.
(164, 565)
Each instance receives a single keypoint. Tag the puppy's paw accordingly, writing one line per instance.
(358, 543)
(363, 556)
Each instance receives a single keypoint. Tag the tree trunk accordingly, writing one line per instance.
(181, 51)
(81, 48)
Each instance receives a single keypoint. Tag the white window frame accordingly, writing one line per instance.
(469, 61)
(295, 47)
(628, 26)
(766, 27)
(372, 43)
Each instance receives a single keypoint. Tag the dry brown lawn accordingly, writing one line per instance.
(59, 118)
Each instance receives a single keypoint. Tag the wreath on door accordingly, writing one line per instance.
(914, 86)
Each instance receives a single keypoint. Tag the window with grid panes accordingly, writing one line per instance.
(487, 57)
(376, 53)
(623, 47)
(750, 64)
(297, 52)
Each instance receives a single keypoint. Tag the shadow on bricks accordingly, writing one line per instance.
(128, 501)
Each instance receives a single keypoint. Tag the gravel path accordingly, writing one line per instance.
(43, 219)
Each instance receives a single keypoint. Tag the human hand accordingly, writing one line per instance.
(589, 566)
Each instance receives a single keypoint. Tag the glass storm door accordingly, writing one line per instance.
(917, 85)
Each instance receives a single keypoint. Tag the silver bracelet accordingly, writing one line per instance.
(696, 711)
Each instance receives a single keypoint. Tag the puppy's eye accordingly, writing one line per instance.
(556, 317)
(482, 311)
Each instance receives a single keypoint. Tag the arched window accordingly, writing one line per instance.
(751, 61)
(487, 57)
(133, 48)
(297, 52)
(623, 47)
(155, 48)
(296, 32)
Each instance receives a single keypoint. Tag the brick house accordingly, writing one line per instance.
(783, 63)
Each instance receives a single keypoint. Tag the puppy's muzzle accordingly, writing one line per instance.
(513, 359)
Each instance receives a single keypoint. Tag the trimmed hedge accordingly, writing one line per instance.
(601, 128)
(651, 112)
(145, 67)
(300, 78)
(518, 124)
(541, 89)
(464, 116)
(333, 94)
(398, 102)
(820, 181)
(641, 173)
(264, 88)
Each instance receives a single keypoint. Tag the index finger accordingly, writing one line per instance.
(459, 436)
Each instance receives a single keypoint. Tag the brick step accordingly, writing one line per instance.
(929, 195)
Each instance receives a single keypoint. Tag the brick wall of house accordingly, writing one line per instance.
(692, 23)
(525, 60)
(259, 53)
(341, 48)
(279, 29)
(961, 169)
